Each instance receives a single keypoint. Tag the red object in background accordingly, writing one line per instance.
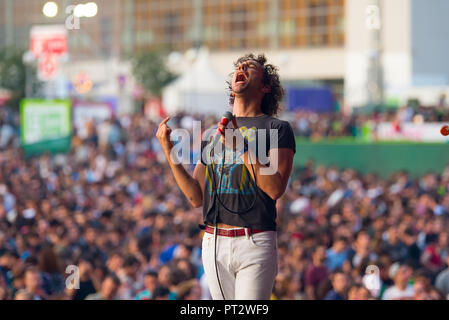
(396, 126)
(297, 236)
(47, 44)
(445, 130)
(48, 67)
(153, 108)
(54, 45)
(5, 95)
(48, 39)
(138, 198)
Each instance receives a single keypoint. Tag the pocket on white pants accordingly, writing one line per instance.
(208, 240)
(266, 239)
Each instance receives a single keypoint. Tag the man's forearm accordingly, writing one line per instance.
(273, 184)
(188, 185)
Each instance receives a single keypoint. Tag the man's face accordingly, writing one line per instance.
(247, 76)
(109, 288)
(4, 260)
(115, 262)
(90, 235)
(364, 294)
(164, 276)
(409, 239)
(320, 254)
(339, 246)
(363, 240)
(150, 283)
(32, 281)
(403, 274)
(340, 282)
(393, 234)
(183, 253)
(419, 288)
(132, 269)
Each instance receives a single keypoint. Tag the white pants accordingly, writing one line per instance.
(247, 265)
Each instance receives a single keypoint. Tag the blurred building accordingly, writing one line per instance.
(393, 53)
(236, 25)
(306, 38)
(101, 36)
(367, 50)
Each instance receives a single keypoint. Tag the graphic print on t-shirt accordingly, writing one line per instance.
(233, 167)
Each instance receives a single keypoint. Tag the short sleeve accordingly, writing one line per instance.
(203, 145)
(285, 135)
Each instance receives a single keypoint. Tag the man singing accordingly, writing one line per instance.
(239, 195)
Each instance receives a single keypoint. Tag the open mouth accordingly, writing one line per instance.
(240, 78)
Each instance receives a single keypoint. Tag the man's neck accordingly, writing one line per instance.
(246, 108)
(318, 263)
(401, 286)
(32, 291)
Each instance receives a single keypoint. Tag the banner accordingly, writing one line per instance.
(424, 132)
(45, 125)
(318, 99)
(92, 111)
(48, 43)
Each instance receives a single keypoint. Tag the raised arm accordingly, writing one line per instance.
(192, 187)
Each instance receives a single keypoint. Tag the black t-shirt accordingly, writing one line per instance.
(237, 191)
(86, 288)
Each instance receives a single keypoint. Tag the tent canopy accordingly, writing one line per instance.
(200, 89)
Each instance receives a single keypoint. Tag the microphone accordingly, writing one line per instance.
(227, 116)
(225, 119)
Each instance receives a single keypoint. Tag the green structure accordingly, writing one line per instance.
(382, 158)
(45, 125)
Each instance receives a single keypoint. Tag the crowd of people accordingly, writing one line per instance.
(107, 221)
(362, 124)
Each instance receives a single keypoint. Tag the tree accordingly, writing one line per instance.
(151, 72)
(13, 74)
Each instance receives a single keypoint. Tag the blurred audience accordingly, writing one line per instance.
(111, 209)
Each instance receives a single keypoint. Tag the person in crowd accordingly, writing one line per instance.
(129, 277)
(150, 281)
(88, 282)
(22, 294)
(53, 281)
(442, 280)
(340, 284)
(33, 283)
(316, 272)
(402, 289)
(337, 254)
(161, 293)
(431, 257)
(362, 249)
(413, 253)
(109, 289)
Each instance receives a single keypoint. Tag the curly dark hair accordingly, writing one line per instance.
(271, 101)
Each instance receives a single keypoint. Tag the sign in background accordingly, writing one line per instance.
(408, 131)
(318, 99)
(48, 43)
(96, 111)
(45, 125)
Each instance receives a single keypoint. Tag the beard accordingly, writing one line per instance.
(241, 87)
